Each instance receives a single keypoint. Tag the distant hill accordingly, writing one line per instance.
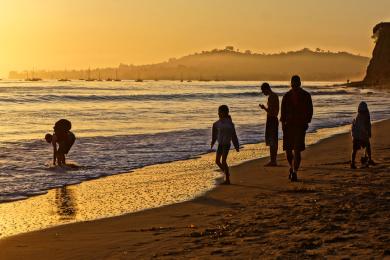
(231, 64)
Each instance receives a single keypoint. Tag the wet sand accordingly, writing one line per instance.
(332, 212)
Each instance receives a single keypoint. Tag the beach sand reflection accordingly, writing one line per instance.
(65, 203)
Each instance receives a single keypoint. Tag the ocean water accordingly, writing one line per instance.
(122, 126)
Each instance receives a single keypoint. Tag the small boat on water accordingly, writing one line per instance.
(139, 78)
(89, 76)
(33, 79)
(64, 79)
(99, 79)
(116, 76)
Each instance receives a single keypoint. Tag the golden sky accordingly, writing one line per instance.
(58, 34)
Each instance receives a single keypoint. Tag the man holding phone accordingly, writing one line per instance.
(272, 124)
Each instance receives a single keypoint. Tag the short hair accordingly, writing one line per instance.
(48, 138)
(296, 79)
(265, 86)
(223, 109)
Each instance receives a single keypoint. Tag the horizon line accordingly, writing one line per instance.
(234, 50)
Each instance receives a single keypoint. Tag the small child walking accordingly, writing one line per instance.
(225, 133)
(361, 134)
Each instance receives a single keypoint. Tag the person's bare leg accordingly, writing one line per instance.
(353, 157)
(368, 151)
(218, 161)
(367, 155)
(226, 167)
(273, 152)
(290, 157)
(297, 160)
(60, 159)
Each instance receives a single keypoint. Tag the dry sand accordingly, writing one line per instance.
(332, 212)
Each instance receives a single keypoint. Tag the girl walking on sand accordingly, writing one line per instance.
(361, 134)
(225, 133)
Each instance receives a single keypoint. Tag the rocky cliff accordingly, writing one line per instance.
(378, 71)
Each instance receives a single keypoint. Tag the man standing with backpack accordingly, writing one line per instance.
(296, 114)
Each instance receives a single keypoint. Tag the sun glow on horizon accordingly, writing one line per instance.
(69, 34)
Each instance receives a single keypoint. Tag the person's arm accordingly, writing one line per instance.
(54, 143)
(214, 134)
(235, 140)
(263, 107)
(310, 109)
(283, 111)
(369, 126)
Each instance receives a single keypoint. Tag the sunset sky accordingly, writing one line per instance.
(60, 34)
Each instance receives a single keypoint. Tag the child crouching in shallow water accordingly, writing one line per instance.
(64, 138)
(225, 133)
(361, 134)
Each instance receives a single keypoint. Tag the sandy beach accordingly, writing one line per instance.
(332, 211)
(139, 130)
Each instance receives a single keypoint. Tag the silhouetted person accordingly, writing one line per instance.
(361, 134)
(272, 124)
(225, 132)
(296, 114)
(64, 138)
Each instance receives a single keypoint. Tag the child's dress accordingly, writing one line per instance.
(361, 130)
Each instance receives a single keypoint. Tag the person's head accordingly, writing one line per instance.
(265, 88)
(295, 81)
(223, 111)
(363, 108)
(48, 138)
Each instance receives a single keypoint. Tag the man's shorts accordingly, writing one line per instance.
(271, 131)
(294, 137)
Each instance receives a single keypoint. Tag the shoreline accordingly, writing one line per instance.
(92, 199)
(192, 157)
(214, 224)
